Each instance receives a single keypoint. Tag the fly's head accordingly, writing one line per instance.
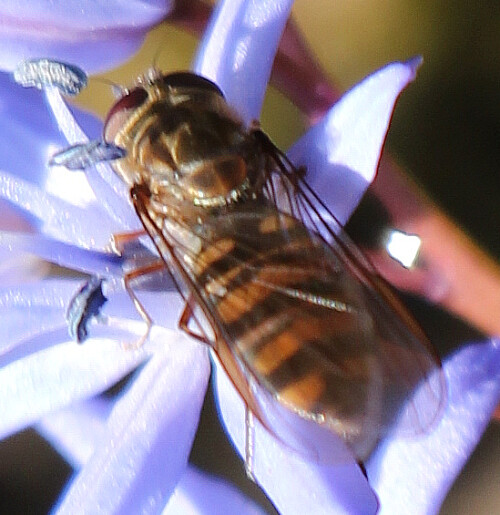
(183, 141)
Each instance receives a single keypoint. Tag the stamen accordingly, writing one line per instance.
(85, 155)
(83, 307)
(44, 73)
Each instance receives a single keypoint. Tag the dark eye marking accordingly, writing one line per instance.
(191, 80)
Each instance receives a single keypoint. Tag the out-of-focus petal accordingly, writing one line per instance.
(342, 151)
(294, 485)
(29, 310)
(59, 375)
(60, 219)
(199, 494)
(62, 254)
(27, 132)
(238, 49)
(414, 475)
(76, 431)
(97, 35)
(148, 437)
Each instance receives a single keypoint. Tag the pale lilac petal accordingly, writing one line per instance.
(163, 307)
(76, 431)
(238, 49)
(16, 269)
(59, 375)
(342, 151)
(294, 485)
(149, 435)
(414, 475)
(27, 132)
(200, 494)
(97, 35)
(63, 254)
(36, 308)
(30, 311)
(60, 219)
(113, 194)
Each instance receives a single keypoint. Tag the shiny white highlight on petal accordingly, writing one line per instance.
(403, 247)
(63, 184)
(262, 12)
(89, 228)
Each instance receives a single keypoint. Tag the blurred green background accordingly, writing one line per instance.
(445, 132)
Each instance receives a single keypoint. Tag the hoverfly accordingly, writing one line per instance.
(306, 330)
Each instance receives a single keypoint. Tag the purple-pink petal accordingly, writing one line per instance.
(238, 49)
(97, 35)
(342, 151)
(148, 437)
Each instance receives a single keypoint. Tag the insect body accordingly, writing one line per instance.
(298, 322)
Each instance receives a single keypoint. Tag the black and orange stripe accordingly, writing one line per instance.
(279, 299)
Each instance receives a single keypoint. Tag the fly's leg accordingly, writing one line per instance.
(183, 325)
(249, 443)
(184, 320)
(120, 240)
(127, 279)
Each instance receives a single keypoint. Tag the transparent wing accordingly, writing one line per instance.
(409, 358)
(308, 344)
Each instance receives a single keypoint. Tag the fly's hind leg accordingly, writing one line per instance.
(186, 317)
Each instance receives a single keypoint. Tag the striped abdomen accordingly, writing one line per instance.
(293, 317)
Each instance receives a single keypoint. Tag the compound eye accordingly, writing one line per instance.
(191, 81)
(121, 110)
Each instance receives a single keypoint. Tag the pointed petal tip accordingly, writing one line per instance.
(414, 63)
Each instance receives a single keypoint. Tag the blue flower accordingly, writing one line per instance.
(132, 452)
